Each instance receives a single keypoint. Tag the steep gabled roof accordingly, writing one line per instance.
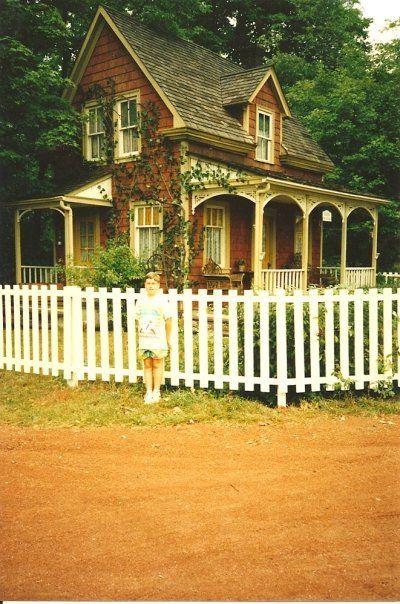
(199, 85)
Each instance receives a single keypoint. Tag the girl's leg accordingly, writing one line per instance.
(148, 373)
(158, 372)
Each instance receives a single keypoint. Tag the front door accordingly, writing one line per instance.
(86, 237)
(269, 239)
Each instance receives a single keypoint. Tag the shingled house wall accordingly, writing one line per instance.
(110, 59)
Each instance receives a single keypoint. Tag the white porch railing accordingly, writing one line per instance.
(360, 277)
(38, 274)
(330, 271)
(288, 279)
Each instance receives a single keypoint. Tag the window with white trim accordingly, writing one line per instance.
(128, 135)
(95, 133)
(147, 230)
(87, 239)
(214, 234)
(264, 136)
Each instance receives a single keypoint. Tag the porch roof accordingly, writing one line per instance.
(91, 190)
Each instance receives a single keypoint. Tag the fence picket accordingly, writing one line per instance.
(174, 354)
(314, 340)
(203, 338)
(104, 341)
(90, 333)
(358, 339)
(68, 327)
(387, 333)
(54, 330)
(264, 310)
(1, 327)
(131, 329)
(398, 336)
(26, 329)
(344, 337)
(117, 334)
(218, 340)
(329, 340)
(188, 337)
(281, 347)
(249, 340)
(233, 332)
(8, 324)
(35, 329)
(298, 318)
(44, 318)
(373, 335)
(17, 327)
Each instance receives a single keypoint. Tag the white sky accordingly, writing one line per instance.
(379, 11)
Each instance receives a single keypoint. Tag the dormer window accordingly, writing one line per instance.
(264, 151)
(95, 133)
(128, 136)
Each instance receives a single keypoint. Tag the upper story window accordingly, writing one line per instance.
(95, 133)
(128, 136)
(147, 230)
(264, 151)
(214, 234)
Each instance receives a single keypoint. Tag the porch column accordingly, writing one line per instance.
(304, 248)
(17, 242)
(343, 249)
(68, 234)
(258, 229)
(374, 258)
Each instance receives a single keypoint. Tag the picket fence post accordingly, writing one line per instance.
(281, 348)
(73, 336)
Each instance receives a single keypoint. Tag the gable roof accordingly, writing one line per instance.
(198, 85)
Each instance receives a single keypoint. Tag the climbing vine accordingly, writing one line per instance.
(159, 177)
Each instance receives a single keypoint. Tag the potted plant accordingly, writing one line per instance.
(241, 265)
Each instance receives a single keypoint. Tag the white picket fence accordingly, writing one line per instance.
(305, 341)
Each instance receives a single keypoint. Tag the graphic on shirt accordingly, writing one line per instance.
(151, 314)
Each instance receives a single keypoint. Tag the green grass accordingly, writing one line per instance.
(33, 400)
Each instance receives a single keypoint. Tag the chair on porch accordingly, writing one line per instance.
(221, 278)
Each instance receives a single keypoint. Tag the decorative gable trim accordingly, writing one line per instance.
(271, 74)
(86, 51)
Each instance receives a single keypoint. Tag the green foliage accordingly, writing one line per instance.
(114, 266)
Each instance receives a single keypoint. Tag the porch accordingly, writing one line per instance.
(291, 236)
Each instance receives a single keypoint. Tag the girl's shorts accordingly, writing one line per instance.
(152, 354)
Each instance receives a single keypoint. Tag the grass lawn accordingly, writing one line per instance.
(39, 401)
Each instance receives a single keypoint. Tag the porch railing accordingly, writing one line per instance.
(356, 276)
(38, 274)
(360, 277)
(288, 279)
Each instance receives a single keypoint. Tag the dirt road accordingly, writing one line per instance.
(295, 511)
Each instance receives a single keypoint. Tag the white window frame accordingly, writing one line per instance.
(90, 135)
(136, 227)
(121, 129)
(223, 258)
(260, 136)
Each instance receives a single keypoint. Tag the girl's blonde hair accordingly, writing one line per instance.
(154, 276)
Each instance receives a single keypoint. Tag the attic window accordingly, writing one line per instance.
(264, 136)
(96, 134)
(128, 136)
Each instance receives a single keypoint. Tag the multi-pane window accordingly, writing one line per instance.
(128, 127)
(87, 240)
(96, 134)
(264, 136)
(214, 234)
(147, 224)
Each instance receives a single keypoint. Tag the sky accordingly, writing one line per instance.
(379, 11)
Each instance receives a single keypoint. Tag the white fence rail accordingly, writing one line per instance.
(255, 341)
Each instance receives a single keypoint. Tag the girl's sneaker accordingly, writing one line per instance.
(156, 396)
(148, 397)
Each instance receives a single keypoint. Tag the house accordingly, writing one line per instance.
(218, 115)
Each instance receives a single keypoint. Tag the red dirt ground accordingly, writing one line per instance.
(295, 511)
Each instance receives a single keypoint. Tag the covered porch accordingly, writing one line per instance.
(75, 228)
(278, 227)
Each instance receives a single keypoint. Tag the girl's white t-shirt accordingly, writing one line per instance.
(151, 312)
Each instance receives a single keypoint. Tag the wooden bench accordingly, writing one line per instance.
(221, 278)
